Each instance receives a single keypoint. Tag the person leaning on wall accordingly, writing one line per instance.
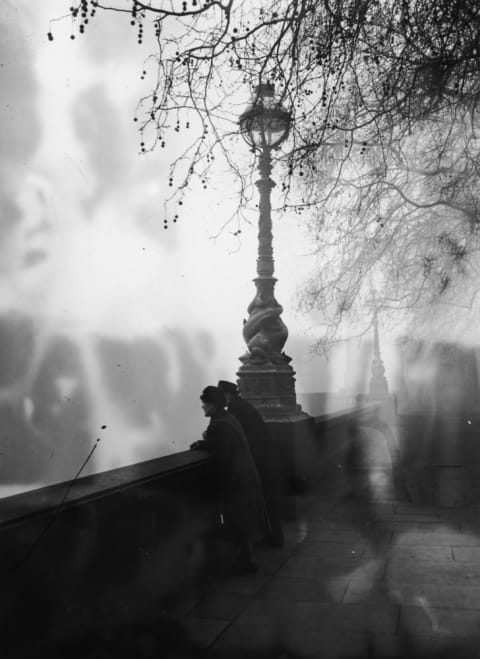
(243, 505)
(260, 443)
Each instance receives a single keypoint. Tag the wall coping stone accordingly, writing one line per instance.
(47, 499)
(44, 500)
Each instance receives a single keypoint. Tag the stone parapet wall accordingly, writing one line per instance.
(106, 550)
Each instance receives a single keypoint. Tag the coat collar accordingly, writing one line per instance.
(219, 413)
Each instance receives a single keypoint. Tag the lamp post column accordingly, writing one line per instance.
(378, 389)
(378, 381)
(265, 262)
(266, 378)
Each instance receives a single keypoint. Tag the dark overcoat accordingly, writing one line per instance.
(266, 459)
(239, 483)
(255, 429)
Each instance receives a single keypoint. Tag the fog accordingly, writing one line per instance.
(110, 325)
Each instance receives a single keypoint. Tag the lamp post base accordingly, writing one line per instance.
(270, 388)
(291, 456)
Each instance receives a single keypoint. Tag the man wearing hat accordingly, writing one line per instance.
(260, 443)
(243, 504)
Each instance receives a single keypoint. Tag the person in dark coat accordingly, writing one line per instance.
(260, 443)
(243, 505)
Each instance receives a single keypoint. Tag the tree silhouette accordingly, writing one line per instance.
(382, 155)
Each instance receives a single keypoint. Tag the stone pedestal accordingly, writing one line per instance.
(293, 460)
(271, 389)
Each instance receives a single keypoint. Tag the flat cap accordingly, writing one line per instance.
(227, 387)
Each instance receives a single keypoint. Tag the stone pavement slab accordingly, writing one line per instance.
(321, 616)
(249, 641)
(423, 552)
(410, 571)
(302, 589)
(220, 605)
(447, 623)
(354, 581)
(243, 585)
(312, 566)
(329, 550)
(204, 632)
(246, 641)
(453, 596)
(339, 532)
(439, 536)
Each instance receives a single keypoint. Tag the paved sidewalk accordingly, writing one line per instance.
(355, 579)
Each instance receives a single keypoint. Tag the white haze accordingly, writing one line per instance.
(110, 326)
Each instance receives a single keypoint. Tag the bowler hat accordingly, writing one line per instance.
(227, 387)
(213, 395)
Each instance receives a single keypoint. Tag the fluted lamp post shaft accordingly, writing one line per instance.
(265, 377)
(378, 381)
(265, 263)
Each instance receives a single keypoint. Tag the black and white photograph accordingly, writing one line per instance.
(239, 329)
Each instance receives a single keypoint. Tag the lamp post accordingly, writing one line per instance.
(378, 381)
(266, 378)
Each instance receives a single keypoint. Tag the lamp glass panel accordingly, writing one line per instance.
(265, 124)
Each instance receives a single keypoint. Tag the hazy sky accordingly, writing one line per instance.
(146, 317)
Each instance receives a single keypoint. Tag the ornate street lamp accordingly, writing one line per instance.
(378, 381)
(266, 378)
